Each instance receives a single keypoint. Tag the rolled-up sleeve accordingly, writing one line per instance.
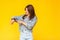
(30, 24)
(17, 17)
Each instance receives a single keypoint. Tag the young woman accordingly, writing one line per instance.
(26, 23)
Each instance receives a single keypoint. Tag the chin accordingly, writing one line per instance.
(26, 14)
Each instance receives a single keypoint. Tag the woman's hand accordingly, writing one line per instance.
(21, 22)
(12, 21)
(18, 21)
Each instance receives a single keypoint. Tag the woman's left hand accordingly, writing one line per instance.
(21, 22)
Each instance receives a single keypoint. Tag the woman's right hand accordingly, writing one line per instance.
(12, 21)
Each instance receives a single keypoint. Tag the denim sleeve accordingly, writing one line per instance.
(30, 24)
(18, 17)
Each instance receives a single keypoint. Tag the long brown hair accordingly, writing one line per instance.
(31, 11)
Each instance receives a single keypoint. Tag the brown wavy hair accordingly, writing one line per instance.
(31, 11)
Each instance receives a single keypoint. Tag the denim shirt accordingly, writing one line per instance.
(30, 23)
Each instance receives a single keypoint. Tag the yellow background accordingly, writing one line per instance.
(48, 23)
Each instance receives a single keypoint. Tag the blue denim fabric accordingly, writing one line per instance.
(26, 31)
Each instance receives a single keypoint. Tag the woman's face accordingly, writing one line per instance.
(26, 11)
